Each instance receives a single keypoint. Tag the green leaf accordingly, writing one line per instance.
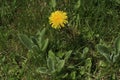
(115, 58)
(51, 61)
(36, 49)
(42, 70)
(41, 35)
(51, 55)
(53, 3)
(73, 75)
(112, 57)
(82, 70)
(117, 45)
(60, 65)
(88, 64)
(77, 5)
(118, 1)
(65, 75)
(85, 50)
(102, 64)
(104, 51)
(45, 45)
(67, 55)
(71, 67)
(60, 54)
(51, 65)
(27, 42)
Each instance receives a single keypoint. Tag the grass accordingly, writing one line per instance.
(90, 23)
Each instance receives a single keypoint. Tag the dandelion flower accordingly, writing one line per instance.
(58, 19)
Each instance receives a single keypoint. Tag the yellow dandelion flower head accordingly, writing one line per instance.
(58, 19)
